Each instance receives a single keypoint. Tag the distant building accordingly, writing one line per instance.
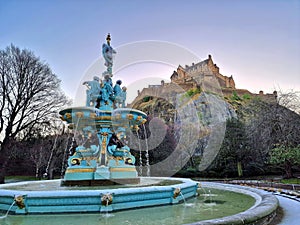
(204, 75)
(196, 74)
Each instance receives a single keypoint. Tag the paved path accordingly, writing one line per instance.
(291, 210)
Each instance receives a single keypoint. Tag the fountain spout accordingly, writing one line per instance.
(19, 200)
(106, 199)
(176, 192)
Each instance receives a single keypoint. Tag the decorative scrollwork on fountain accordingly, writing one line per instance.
(68, 115)
(75, 161)
(117, 149)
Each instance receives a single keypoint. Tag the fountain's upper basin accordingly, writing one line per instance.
(90, 116)
(88, 201)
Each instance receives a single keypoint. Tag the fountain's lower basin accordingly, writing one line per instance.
(216, 204)
(91, 201)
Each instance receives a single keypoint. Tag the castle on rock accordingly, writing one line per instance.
(204, 75)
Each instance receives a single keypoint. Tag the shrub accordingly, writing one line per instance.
(146, 99)
(246, 96)
(235, 96)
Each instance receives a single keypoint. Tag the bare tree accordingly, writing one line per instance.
(58, 145)
(289, 99)
(273, 125)
(37, 157)
(48, 154)
(30, 96)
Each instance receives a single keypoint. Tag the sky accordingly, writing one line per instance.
(257, 41)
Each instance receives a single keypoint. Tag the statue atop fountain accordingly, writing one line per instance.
(104, 116)
(108, 52)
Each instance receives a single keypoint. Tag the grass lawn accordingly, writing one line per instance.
(290, 181)
(13, 179)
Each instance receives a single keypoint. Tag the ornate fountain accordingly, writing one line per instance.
(104, 115)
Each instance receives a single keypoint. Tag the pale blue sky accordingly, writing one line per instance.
(257, 41)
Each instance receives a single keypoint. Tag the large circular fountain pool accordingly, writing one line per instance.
(211, 203)
(151, 202)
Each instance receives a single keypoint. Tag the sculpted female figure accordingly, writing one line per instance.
(107, 52)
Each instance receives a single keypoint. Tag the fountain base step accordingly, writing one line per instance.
(102, 173)
(101, 176)
(103, 182)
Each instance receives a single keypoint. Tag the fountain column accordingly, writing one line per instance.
(103, 136)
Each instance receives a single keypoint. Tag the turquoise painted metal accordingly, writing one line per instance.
(89, 201)
(109, 160)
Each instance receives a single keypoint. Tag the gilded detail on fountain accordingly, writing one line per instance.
(19, 200)
(104, 115)
(106, 199)
(176, 192)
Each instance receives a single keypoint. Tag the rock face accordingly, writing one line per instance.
(196, 105)
(198, 121)
(215, 112)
